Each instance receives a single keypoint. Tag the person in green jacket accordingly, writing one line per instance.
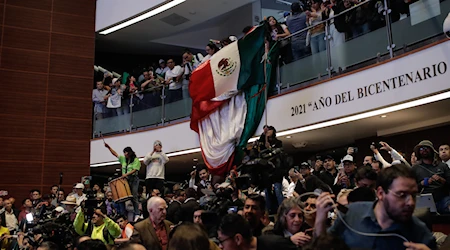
(100, 227)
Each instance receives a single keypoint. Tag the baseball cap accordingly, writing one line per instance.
(79, 186)
(59, 209)
(161, 61)
(329, 157)
(348, 158)
(157, 142)
(304, 165)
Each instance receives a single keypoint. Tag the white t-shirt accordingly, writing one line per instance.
(155, 165)
(160, 71)
(176, 71)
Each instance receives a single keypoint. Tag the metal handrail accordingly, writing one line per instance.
(324, 21)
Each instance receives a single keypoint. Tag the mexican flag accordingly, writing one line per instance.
(228, 98)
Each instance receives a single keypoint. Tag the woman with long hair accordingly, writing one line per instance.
(211, 49)
(130, 170)
(290, 222)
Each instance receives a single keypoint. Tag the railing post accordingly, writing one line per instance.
(131, 112)
(327, 40)
(387, 17)
(278, 77)
(163, 106)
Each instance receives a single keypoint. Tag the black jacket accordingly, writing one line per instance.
(187, 210)
(174, 212)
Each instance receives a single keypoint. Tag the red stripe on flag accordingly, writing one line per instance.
(222, 169)
(202, 109)
(201, 83)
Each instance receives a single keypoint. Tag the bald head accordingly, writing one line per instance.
(157, 209)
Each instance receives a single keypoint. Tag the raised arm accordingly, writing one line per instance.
(112, 150)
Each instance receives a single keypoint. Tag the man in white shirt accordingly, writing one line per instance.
(173, 80)
(10, 218)
(161, 71)
(79, 195)
(444, 153)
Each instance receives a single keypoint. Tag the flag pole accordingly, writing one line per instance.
(266, 50)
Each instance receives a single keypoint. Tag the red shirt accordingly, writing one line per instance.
(161, 233)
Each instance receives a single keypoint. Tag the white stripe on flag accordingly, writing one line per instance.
(225, 68)
(221, 130)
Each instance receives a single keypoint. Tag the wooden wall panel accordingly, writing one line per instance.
(32, 40)
(21, 150)
(23, 104)
(75, 25)
(69, 108)
(24, 60)
(80, 7)
(30, 171)
(71, 65)
(63, 129)
(29, 83)
(32, 4)
(22, 126)
(67, 151)
(46, 117)
(27, 18)
(60, 85)
(72, 45)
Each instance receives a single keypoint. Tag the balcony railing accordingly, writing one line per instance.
(368, 32)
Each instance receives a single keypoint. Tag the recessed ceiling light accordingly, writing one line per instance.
(288, 137)
(117, 169)
(142, 17)
(383, 116)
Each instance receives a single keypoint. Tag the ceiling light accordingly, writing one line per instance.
(184, 152)
(288, 137)
(117, 169)
(383, 116)
(143, 16)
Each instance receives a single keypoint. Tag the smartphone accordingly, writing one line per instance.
(309, 232)
(29, 217)
(232, 209)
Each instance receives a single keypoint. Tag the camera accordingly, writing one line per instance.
(377, 145)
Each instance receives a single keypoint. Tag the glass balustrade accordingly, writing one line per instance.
(353, 37)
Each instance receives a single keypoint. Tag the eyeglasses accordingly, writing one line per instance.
(423, 148)
(404, 196)
(222, 241)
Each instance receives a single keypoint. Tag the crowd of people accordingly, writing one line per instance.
(332, 203)
(305, 22)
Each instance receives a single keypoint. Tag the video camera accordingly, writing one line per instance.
(261, 171)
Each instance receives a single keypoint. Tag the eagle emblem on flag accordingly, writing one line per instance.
(226, 67)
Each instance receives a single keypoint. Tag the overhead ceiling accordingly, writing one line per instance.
(188, 25)
(417, 118)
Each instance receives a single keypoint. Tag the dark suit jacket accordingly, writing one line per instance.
(215, 179)
(188, 209)
(145, 234)
(174, 212)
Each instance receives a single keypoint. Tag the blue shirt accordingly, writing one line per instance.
(297, 22)
(361, 217)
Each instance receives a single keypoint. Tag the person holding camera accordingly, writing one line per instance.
(99, 227)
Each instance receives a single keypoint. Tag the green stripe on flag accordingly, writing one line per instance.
(251, 81)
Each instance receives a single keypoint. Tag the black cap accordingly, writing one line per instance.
(329, 157)
(305, 165)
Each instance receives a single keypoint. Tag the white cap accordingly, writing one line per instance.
(114, 80)
(161, 61)
(347, 158)
(79, 185)
(59, 209)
